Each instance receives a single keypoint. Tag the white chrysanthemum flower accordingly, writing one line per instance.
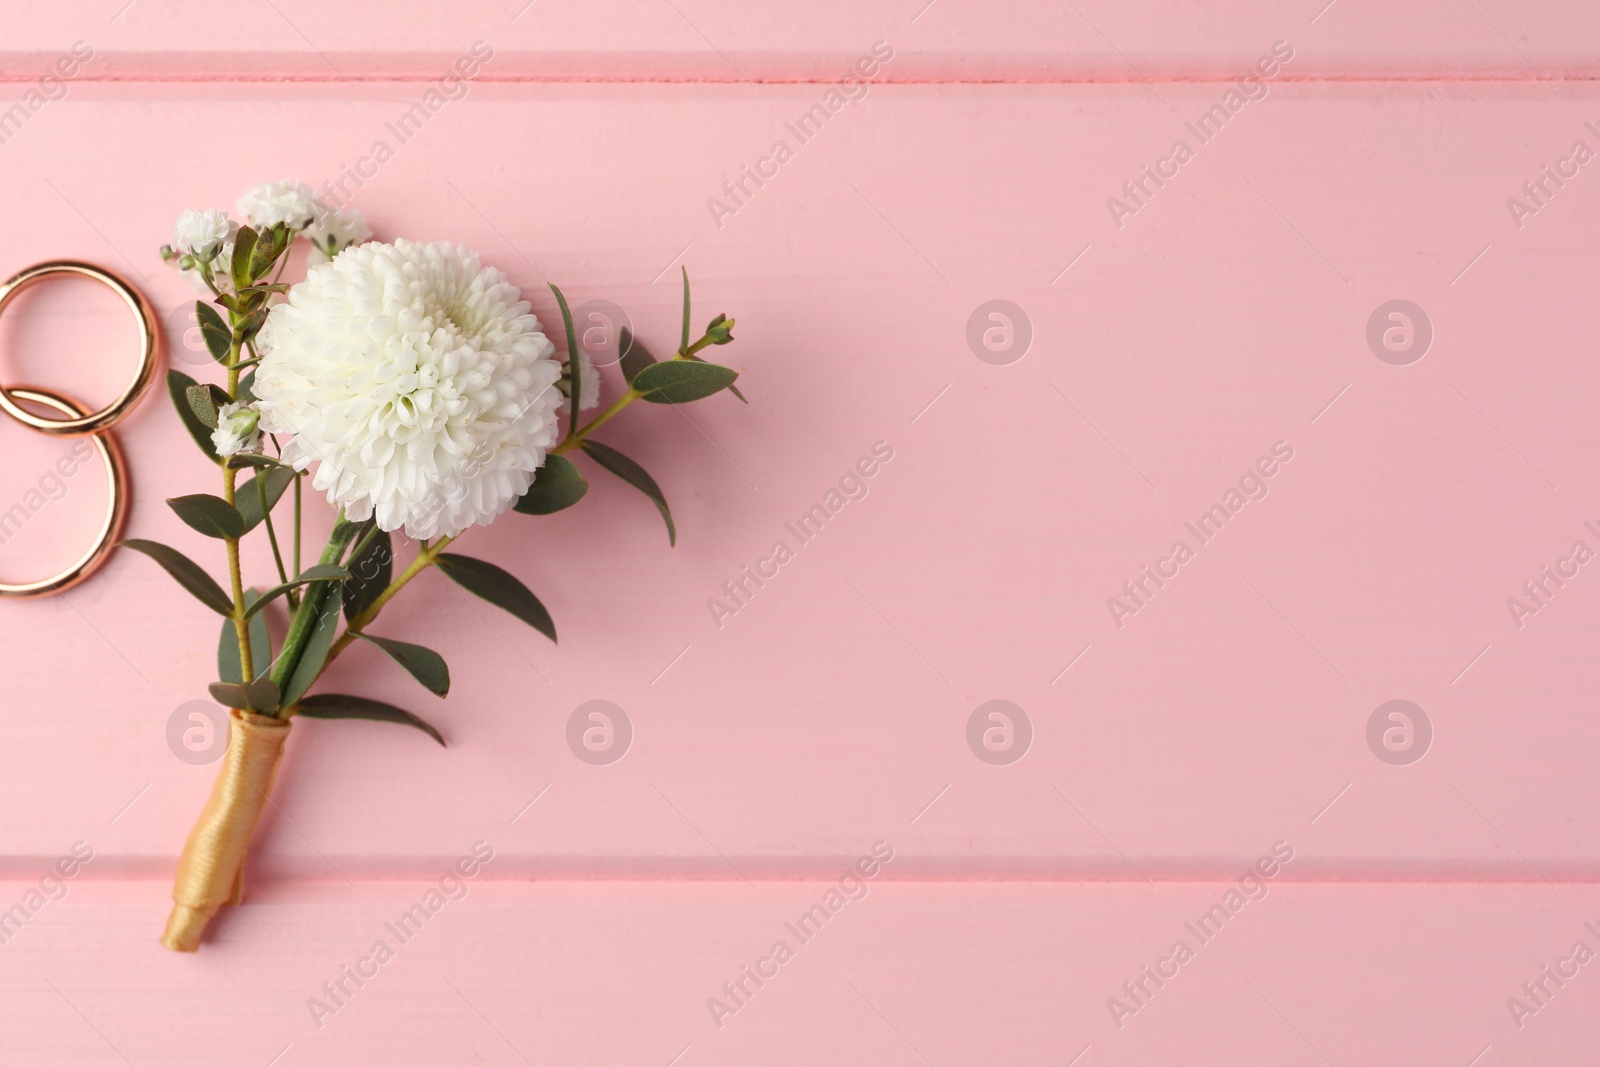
(237, 430)
(417, 380)
(201, 233)
(275, 202)
(589, 388)
(334, 230)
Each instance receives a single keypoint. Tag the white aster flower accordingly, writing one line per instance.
(589, 388)
(416, 380)
(201, 233)
(334, 230)
(275, 202)
(237, 430)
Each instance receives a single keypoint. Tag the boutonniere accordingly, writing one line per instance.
(413, 387)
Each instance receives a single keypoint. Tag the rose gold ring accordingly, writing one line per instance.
(81, 421)
(116, 502)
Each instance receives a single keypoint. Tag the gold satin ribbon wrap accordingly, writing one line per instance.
(211, 871)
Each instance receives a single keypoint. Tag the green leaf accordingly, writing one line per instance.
(268, 247)
(321, 572)
(316, 649)
(247, 389)
(498, 587)
(241, 460)
(634, 475)
(345, 531)
(574, 363)
(178, 384)
(683, 346)
(340, 706)
(244, 246)
(215, 332)
(260, 694)
(187, 573)
(679, 381)
(370, 571)
(423, 664)
(635, 356)
(210, 515)
(556, 485)
(228, 644)
(247, 498)
(206, 401)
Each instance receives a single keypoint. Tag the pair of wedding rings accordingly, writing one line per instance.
(77, 420)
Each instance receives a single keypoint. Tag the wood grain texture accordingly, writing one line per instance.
(1217, 316)
(725, 41)
(1227, 315)
(907, 974)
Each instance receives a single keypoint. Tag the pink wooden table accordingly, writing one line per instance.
(1196, 347)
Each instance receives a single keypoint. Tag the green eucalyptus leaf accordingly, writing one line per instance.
(247, 498)
(634, 475)
(242, 460)
(679, 381)
(499, 587)
(206, 401)
(178, 385)
(210, 515)
(346, 530)
(556, 485)
(321, 572)
(315, 653)
(574, 363)
(269, 246)
(187, 573)
(635, 356)
(370, 571)
(683, 345)
(260, 644)
(423, 664)
(259, 694)
(244, 246)
(341, 706)
(215, 332)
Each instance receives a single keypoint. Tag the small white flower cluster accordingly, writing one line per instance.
(238, 430)
(203, 240)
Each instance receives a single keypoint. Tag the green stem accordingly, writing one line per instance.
(296, 524)
(425, 559)
(304, 620)
(575, 440)
(272, 536)
(241, 626)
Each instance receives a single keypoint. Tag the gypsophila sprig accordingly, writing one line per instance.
(413, 386)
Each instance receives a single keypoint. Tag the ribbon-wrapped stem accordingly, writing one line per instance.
(211, 870)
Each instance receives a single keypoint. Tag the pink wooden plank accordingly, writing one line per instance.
(1228, 314)
(724, 41)
(906, 974)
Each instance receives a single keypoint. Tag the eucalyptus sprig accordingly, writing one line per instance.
(353, 578)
